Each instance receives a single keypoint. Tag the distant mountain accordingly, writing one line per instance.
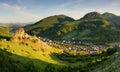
(19, 24)
(15, 26)
(94, 27)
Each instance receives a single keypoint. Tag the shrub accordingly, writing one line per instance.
(34, 40)
(73, 52)
(110, 51)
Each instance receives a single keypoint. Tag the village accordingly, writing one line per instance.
(79, 46)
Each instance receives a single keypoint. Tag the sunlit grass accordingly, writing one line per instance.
(35, 53)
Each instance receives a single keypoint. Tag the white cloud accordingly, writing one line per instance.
(115, 4)
(68, 8)
(78, 8)
(19, 12)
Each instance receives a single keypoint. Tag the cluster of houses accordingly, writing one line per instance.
(91, 50)
(71, 41)
(76, 42)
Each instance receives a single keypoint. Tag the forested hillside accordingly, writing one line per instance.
(94, 27)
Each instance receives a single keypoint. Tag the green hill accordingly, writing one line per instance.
(94, 27)
(48, 26)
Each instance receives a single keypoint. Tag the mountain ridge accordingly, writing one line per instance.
(91, 21)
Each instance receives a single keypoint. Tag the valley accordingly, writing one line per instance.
(62, 44)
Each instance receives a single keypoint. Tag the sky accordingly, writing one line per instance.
(23, 11)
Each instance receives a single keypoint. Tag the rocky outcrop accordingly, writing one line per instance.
(20, 34)
(22, 37)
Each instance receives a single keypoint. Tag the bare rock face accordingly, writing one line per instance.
(21, 37)
(20, 34)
